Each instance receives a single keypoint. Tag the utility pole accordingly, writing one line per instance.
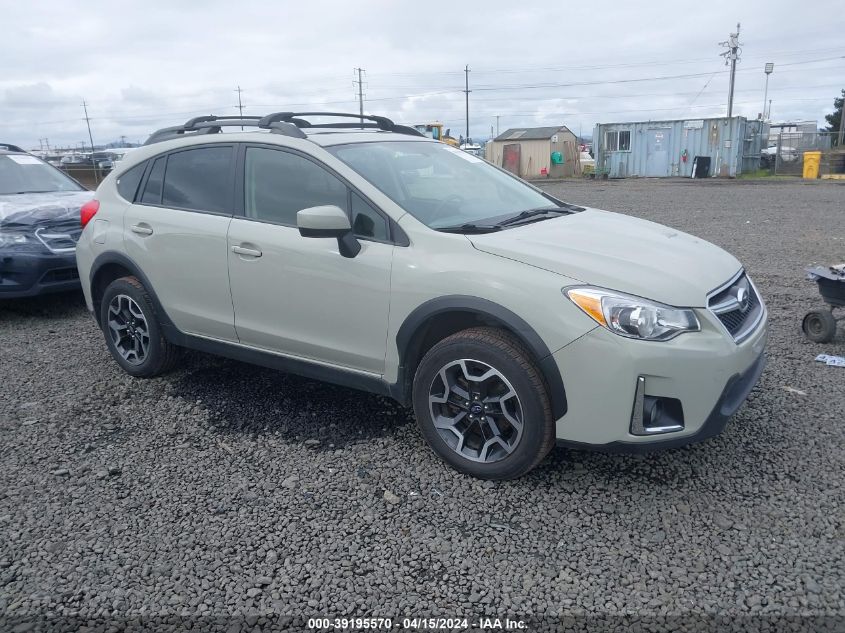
(90, 138)
(122, 140)
(731, 56)
(240, 105)
(466, 93)
(497, 124)
(841, 126)
(360, 82)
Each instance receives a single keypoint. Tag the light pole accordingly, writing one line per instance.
(768, 68)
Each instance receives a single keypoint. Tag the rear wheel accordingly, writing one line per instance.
(819, 326)
(482, 404)
(132, 331)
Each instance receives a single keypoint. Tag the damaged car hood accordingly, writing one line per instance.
(27, 209)
(618, 252)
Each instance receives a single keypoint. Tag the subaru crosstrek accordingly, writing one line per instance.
(39, 225)
(366, 255)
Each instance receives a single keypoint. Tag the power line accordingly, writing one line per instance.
(651, 62)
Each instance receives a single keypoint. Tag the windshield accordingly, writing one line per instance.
(439, 185)
(23, 173)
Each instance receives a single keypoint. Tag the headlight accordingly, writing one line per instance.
(631, 316)
(12, 239)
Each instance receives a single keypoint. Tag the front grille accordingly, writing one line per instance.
(737, 306)
(60, 237)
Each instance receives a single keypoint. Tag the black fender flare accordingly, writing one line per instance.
(113, 257)
(484, 309)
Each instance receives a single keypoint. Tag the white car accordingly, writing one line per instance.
(373, 257)
(787, 154)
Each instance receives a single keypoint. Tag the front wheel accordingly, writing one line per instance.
(482, 405)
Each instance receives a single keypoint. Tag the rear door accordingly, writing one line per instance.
(297, 295)
(176, 233)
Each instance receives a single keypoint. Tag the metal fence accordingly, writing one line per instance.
(785, 154)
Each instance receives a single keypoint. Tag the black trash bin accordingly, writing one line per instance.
(701, 167)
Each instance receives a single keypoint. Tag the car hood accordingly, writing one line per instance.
(40, 208)
(618, 252)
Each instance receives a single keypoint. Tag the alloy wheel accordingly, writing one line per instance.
(476, 410)
(128, 329)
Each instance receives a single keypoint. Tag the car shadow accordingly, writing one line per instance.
(243, 398)
(61, 305)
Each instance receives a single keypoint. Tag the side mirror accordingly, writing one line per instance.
(329, 221)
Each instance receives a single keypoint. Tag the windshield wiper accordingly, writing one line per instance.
(532, 213)
(470, 228)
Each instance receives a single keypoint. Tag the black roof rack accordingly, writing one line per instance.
(11, 148)
(366, 121)
(211, 124)
(287, 123)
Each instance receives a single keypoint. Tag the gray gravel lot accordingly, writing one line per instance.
(229, 490)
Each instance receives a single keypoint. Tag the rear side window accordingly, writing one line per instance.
(127, 184)
(278, 184)
(152, 190)
(199, 179)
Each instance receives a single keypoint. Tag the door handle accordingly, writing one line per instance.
(247, 252)
(142, 229)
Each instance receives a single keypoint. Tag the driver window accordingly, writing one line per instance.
(278, 184)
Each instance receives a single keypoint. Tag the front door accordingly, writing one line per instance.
(176, 233)
(657, 157)
(299, 296)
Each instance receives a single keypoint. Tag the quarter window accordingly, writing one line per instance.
(366, 221)
(152, 190)
(278, 184)
(199, 179)
(127, 184)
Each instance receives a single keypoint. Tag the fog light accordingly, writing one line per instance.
(653, 415)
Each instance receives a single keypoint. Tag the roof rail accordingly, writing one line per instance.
(365, 121)
(287, 123)
(11, 148)
(211, 124)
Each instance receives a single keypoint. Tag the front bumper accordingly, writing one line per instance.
(27, 274)
(706, 371)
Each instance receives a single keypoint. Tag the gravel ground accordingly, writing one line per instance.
(222, 493)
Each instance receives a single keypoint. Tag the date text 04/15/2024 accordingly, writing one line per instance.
(416, 623)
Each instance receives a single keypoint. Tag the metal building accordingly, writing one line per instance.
(536, 152)
(718, 147)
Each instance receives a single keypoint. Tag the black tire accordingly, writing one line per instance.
(160, 355)
(819, 326)
(502, 352)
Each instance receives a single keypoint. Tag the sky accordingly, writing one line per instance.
(144, 65)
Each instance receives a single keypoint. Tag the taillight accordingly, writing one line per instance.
(88, 211)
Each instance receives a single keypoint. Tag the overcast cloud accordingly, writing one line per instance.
(145, 65)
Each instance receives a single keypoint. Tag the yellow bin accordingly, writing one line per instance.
(811, 164)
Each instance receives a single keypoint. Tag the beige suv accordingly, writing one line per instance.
(355, 251)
